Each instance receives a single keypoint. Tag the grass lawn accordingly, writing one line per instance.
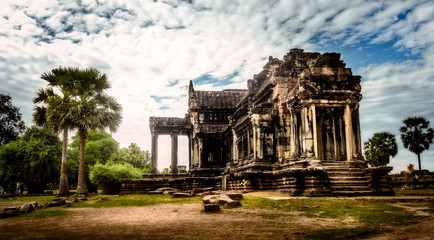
(368, 216)
(416, 192)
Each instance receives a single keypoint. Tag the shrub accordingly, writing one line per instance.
(106, 176)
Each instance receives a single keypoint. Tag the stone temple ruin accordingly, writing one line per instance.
(295, 129)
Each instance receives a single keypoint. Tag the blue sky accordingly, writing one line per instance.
(151, 49)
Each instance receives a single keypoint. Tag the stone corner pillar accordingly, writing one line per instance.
(174, 155)
(349, 136)
(154, 152)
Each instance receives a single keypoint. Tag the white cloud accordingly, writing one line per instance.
(144, 46)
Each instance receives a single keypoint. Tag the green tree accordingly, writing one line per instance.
(380, 148)
(53, 110)
(106, 176)
(32, 160)
(165, 171)
(100, 146)
(416, 136)
(92, 108)
(133, 155)
(11, 125)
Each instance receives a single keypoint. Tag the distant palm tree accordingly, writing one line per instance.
(54, 112)
(91, 108)
(417, 136)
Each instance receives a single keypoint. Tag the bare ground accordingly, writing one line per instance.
(185, 221)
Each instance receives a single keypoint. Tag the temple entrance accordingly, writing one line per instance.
(331, 133)
(165, 153)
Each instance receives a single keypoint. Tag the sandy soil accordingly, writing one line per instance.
(166, 221)
(185, 221)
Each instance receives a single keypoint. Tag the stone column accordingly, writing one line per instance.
(358, 133)
(315, 132)
(308, 134)
(349, 136)
(295, 143)
(255, 144)
(174, 157)
(190, 162)
(154, 153)
(335, 141)
(234, 146)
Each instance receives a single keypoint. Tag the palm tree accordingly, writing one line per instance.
(417, 136)
(91, 108)
(53, 112)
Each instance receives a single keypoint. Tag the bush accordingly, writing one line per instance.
(106, 176)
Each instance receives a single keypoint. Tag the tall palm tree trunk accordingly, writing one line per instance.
(64, 186)
(420, 168)
(81, 186)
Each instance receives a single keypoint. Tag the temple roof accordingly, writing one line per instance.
(212, 128)
(215, 99)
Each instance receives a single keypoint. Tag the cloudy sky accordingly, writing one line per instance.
(151, 49)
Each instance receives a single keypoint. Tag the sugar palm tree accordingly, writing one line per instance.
(54, 113)
(91, 108)
(417, 136)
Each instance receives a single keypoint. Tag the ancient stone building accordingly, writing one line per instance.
(295, 129)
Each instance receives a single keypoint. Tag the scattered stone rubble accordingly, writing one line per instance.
(30, 207)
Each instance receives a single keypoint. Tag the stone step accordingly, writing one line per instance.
(346, 174)
(350, 188)
(352, 193)
(348, 179)
(333, 163)
(347, 183)
(341, 169)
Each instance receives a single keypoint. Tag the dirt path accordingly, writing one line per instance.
(420, 230)
(166, 221)
(184, 221)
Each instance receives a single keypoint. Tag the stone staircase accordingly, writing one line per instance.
(346, 181)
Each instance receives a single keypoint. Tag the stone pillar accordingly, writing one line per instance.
(308, 137)
(174, 156)
(315, 132)
(358, 133)
(195, 153)
(154, 153)
(295, 140)
(234, 147)
(335, 141)
(259, 143)
(349, 136)
(199, 152)
(248, 143)
(190, 145)
(255, 145)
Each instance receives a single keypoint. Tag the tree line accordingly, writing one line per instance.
(74, 99)
(416, 136)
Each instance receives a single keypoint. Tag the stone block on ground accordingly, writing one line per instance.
(28, 207)
(167, 189)
(211, 199)
(56, 203)
(9, 212)
(155, 192)
(168, 192)
(233, 203)
(203, 194)
(72, 200)
(211, 208)
(181, 195)
(234, 196)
